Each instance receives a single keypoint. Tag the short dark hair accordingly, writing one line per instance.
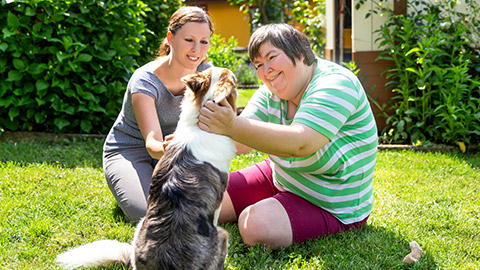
(293, 42)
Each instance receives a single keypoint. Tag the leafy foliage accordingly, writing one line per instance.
(311, 14)
(263, 12)
(157, 16)
(222, 53)
(66, 63)
(247, 75)
(435, 74)
(66, 58)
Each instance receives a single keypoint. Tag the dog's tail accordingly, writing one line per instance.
(98, 253)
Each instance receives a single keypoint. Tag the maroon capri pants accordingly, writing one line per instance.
(255, 183)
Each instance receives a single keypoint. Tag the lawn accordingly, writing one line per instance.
(53, 197)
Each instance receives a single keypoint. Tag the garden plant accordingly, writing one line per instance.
(67, 58)
(436, 73)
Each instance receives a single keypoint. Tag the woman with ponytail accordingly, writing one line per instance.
(151, 108)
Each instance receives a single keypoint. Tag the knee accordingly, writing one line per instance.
(134, 210)
(258, 224)
(251, 225)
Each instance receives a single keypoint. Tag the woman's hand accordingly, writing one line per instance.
(167, 140)
(217, 118)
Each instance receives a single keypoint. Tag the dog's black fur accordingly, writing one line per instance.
(187, 239)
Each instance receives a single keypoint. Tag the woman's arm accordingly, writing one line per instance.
(242, 148)
(147, 119)
(295, 140)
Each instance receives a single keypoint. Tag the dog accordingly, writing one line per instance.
(179, 230)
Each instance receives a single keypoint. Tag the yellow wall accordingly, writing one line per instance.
(229, 21)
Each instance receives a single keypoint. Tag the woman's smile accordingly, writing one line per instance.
(273, 78)
(193, 58)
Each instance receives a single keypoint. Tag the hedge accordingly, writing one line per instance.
(65, 64)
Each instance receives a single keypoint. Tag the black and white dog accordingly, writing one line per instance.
(179, 230)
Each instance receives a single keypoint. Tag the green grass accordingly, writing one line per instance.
(244, 96)
(53, 196)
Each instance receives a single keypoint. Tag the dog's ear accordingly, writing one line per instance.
(196, 81)
(232, 99)
(227, 88)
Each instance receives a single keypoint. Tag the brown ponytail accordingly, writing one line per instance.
(164, 48)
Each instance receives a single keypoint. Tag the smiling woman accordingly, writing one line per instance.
(314, 121)
(284, 78)
(151, 109)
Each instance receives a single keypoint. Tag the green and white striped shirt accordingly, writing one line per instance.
(338, 177)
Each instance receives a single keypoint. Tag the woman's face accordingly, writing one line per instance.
(190, 44)
(276, 70)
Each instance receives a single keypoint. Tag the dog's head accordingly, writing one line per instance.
(212, 84)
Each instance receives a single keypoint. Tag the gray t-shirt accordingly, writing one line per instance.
(125, 132)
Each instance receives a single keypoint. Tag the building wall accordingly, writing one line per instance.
(363, 29)
(330, 27)
(228, 21)
(361, 40)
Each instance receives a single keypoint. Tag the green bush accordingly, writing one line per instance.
(66, 63)
(264, 11)
(222, 52)
(311, 15)
(246, 75)
(435, 75)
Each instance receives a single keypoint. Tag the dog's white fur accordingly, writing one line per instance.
(201, 143)
(102, 252)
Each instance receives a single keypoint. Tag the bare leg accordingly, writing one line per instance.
(227, 214)
(266, 222)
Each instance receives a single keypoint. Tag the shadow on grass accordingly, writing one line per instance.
(118, 215)
(472, 159)
(370, 248)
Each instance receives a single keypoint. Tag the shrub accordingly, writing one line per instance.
(222, 52)
(435, 75)
(246, 75)
(66, 63)
(261, 12)
(311, 14)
